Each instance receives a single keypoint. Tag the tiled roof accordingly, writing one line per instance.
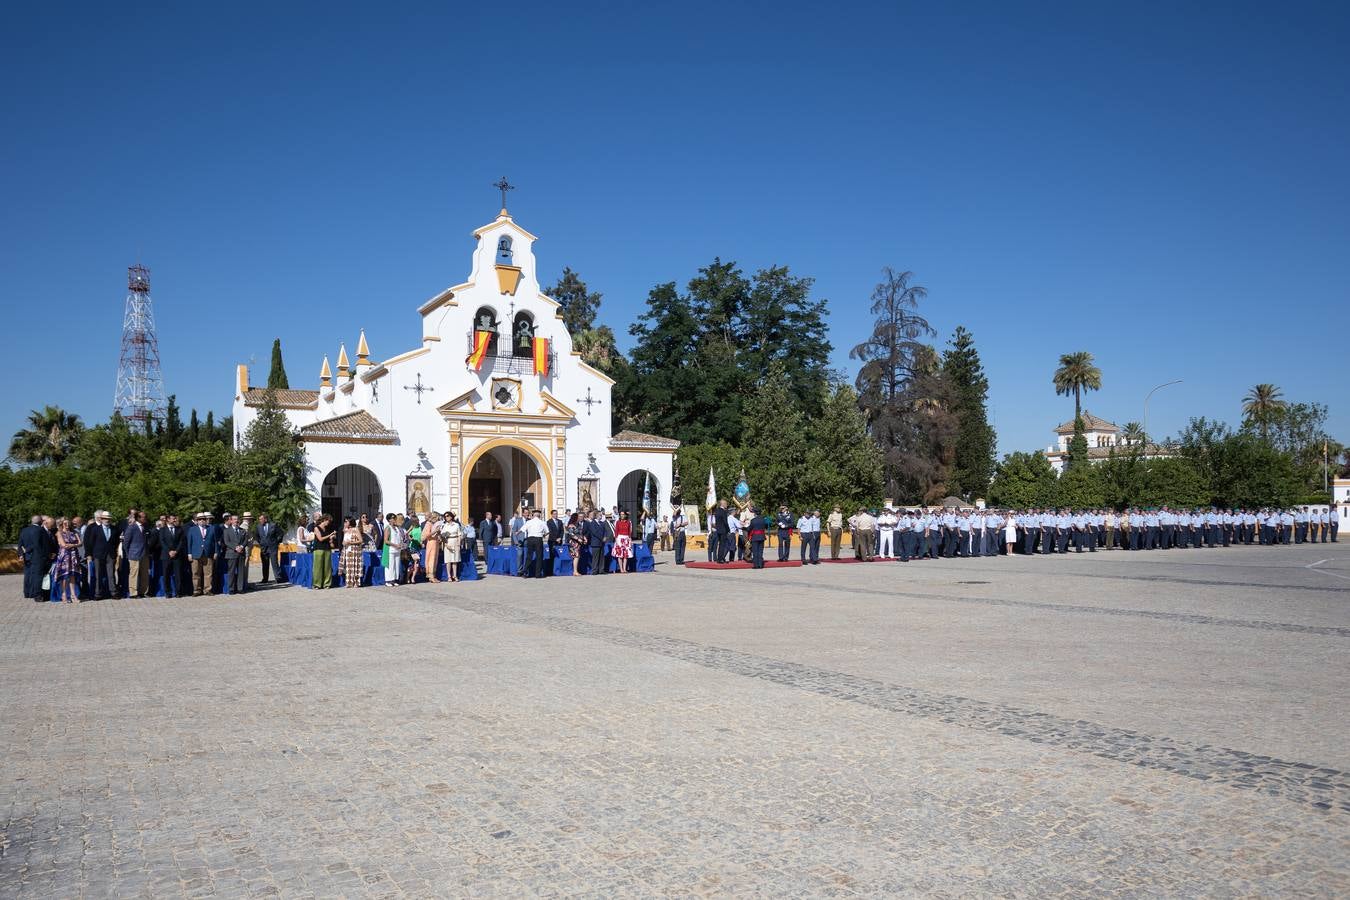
(353, 426)
(286, 399)
(1121, 450)
(1090, 423)
(628, 438)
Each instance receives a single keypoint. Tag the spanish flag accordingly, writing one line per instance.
(541, 356)
(480, 346)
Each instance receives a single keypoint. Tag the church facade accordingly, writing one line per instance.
(492, 412)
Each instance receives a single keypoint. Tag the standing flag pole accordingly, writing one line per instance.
(711, 500)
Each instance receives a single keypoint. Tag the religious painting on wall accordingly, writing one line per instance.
(419, 495)
(588, 493)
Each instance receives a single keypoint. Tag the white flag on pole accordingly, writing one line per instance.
(711, 499)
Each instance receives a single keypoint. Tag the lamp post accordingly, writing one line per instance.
(1146, 399)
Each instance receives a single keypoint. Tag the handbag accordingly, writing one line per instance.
(47, 582)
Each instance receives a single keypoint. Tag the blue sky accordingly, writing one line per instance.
(1164, 185)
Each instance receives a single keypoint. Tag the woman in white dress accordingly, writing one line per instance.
(1010, 532)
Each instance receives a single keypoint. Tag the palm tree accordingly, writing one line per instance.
(1076, 374)
(1261, 404)
(1133, 433)
(49, 438)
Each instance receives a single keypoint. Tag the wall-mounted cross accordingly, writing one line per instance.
(588, 400)
(418, 388)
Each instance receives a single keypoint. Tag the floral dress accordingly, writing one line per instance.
(351, 558)
(623, 539)
(67, 558)
(574, 540)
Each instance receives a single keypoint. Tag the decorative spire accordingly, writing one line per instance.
(344, 369)
(325, 374)
(362, 351)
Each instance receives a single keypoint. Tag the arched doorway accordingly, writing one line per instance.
(350, 490)
(640, 490)
(500, 474)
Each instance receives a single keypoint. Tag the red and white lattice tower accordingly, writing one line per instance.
(140, 383)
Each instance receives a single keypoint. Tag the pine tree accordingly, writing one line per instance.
(974, 464)
(276, 376)
(774, 441)
(194, 433)
(209, 427)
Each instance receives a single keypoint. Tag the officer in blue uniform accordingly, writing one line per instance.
(784, 523)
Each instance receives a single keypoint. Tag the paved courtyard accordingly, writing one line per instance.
(1142, 724)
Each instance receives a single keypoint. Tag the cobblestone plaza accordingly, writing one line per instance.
(1150, 723)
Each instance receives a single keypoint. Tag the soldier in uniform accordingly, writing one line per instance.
(784, 523)
(756, 531)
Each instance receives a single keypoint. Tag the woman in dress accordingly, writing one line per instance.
(414, 549)
(1009, 532)
(574, 540)
(352, 555)
(323, 536)
(431, 539)
(623, 542)
(66, 570)
(303, 535)
(452, 535)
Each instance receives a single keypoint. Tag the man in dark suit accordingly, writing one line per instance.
(134, 550)
(237, 545)
(595, 532)
(37, 546)
(721, 533)
(101, 540)
(489, 532)
(268, 537)
(173, 558)
(555, 539)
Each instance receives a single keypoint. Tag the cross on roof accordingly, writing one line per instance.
(503, 185)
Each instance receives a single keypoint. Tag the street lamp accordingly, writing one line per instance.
(1146, 398)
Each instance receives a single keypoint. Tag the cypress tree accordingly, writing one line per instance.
(276, 376)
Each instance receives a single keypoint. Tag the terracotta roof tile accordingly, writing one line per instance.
(359, 425)
(1090, 423)
(627, 438)
(286, 399)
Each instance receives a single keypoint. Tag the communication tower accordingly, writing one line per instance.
(140, 383)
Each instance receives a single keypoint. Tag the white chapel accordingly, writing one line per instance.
(493, 411)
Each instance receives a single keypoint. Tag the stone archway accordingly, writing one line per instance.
(505, 468)
(350, 490)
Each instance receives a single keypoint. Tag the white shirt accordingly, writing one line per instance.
(535, 528)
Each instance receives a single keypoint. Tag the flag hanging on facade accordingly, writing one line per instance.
(541, 356)
(480, 345)
(711, 500)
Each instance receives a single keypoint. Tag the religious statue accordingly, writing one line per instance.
(524, 336)
(419, 504)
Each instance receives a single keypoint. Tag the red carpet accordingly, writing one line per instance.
(768, 564)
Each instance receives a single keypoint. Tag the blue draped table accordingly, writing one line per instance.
(641, 560)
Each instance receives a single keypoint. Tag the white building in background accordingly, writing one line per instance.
(492, 411)
(1103, 437)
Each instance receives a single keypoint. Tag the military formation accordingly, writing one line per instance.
(906, 534)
